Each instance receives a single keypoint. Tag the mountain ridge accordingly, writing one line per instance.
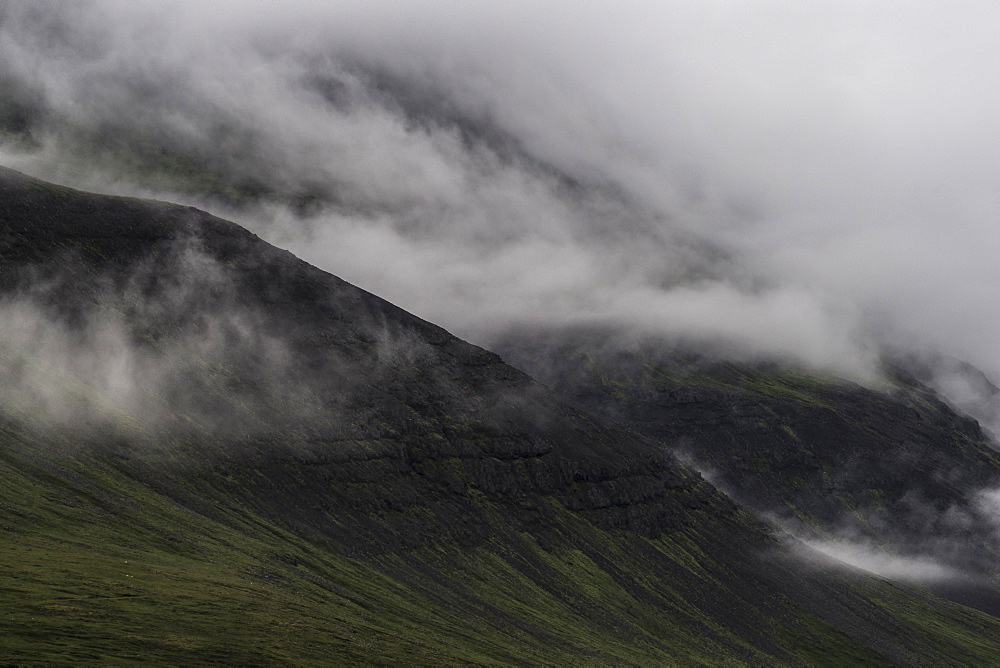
(407, 495)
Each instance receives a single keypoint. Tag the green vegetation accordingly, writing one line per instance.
(103, 568)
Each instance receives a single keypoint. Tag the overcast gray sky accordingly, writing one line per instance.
(806, 179)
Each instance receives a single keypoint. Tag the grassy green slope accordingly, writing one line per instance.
(100, 568)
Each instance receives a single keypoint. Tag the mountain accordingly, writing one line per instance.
(892, 469)
(967, 389)
(213, 452)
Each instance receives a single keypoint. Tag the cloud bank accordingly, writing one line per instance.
(804, 181)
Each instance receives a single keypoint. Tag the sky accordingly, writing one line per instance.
(812, 181)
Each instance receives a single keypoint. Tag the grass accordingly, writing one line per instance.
(103, 568)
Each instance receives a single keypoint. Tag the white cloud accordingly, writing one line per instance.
(921, 569)
(839, 161)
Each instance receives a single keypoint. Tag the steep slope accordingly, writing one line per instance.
(967, 389)
(212, 451)
(892, 467)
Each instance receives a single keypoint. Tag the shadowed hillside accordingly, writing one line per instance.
(891, 469)
(214, 452)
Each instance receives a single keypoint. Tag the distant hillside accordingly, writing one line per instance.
(214, 452)
(892, 468)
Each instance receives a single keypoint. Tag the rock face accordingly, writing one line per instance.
(296, 470)
(894, 467)
(378, 395)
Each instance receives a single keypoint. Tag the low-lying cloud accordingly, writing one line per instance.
(797, 181)
(183, 357)
(953, 545)
(920, 569)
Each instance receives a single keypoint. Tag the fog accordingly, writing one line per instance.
(920, 569)
(149, 364)
(954, 553)
(807, 181)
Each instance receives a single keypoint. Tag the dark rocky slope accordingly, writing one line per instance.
(892, 466)
(299, 471)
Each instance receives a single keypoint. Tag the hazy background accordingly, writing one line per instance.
(808, 180)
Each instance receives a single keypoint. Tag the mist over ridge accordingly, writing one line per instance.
(722, 267)
(792, 182)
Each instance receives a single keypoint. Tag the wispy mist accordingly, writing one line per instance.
(954, 551)
(170, 351)
(803, 181)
